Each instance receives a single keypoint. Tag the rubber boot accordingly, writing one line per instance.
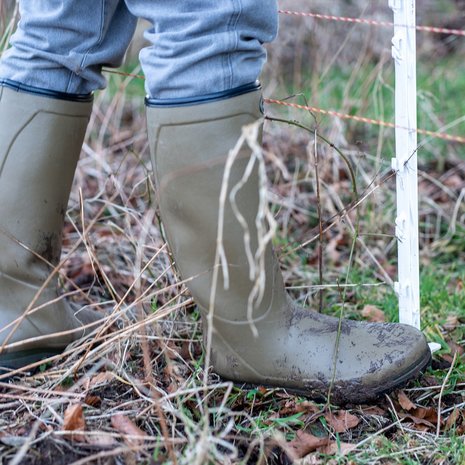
(259, 338)
(40, 142)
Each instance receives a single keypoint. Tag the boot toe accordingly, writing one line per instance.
(397, 354)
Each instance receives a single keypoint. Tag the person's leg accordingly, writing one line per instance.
(203, 47)
(61, 45)
(196, 113)
(45, 103)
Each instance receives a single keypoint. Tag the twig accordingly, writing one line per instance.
(444, 384)
(394, 412)
(320, 221)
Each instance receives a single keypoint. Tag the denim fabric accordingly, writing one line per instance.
(197, 47)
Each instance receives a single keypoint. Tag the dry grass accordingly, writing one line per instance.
(140, 379)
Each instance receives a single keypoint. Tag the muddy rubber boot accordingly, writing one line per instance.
(40, 142)
(259, 335)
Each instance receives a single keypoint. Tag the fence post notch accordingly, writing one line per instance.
(405, 164)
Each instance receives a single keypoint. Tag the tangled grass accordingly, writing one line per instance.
(137, 391)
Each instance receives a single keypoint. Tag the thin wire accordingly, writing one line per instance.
(362, 119)
(373, 22)
(337, 114)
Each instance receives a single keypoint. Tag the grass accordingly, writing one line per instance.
(371, 94)
(226, 424)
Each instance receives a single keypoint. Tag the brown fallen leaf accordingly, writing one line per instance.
(426, 413)
(373, 314)
(74, 421)
(460, 425)
(447, 360)
(291, 407)
(105, 377)
(459, 286)
(304, 443)
(93, 401)
(429, 380)
(455, 348)
(404, 401)
(423, 417)
(341, 421)
(452, 419)
(374, 410)
(127, 427)
(454, 181)
(333, 448)
(452, 321)
(262, 390)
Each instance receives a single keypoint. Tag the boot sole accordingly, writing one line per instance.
(15, 360)
(354, 393)
(414, 372)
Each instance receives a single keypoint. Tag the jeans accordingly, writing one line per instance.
(196, 47)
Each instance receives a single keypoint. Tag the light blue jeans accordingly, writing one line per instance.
(197, 47)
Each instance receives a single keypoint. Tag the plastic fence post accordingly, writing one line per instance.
(405, 163)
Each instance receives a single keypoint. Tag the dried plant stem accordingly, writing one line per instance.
(320, 220)
(444, 384)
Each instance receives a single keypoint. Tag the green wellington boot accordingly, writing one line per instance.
(287, 346)
(40, 142)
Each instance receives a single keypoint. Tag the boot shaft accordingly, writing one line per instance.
(190, 148)
(40, 143)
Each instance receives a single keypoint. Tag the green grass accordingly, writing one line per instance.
(256, 413)
(442, 271)
(440, 85)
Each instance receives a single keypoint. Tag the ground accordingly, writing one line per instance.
(136, 393)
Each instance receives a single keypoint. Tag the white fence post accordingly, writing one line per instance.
(405, 163)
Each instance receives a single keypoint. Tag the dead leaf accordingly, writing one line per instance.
(452, 419)
(291, 407)
(452, 321)
(454, 181)
(185, 350)
(459, 287)
(262, 390)
(333, 448)
(447, 360)
(74, 421)
(304, 443)
(341, 421)
(374, 410)
(427, 413)
(93, 401)
(127, 427)
(460, 426)
(429, 380)
(455, 348)
(404, 401)
(105, 377)
(373, 314)
(423, 417)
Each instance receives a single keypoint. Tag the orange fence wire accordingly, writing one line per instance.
(362, 119)
(373, 22)
(337, 114)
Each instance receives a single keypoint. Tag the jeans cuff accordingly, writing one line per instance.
(213, 97)
(20, 87)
